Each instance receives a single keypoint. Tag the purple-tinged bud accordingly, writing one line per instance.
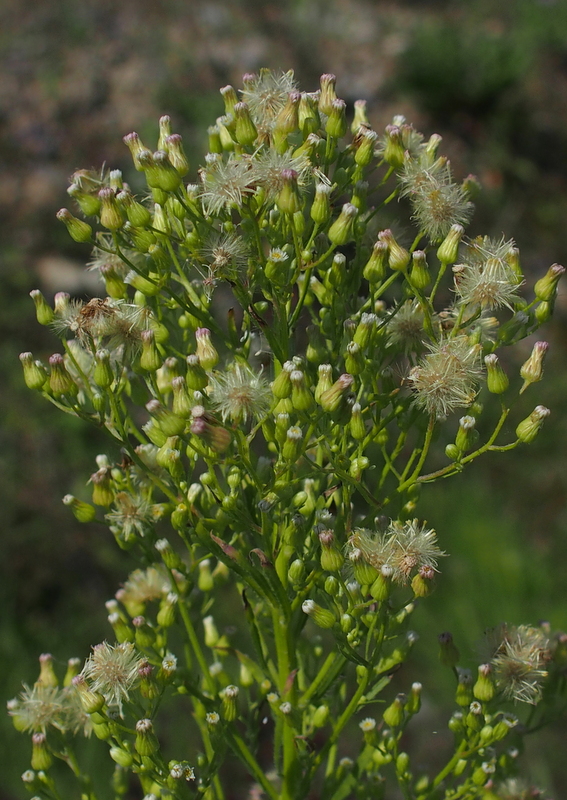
(336, 124)
(217, 438)
(331, 399)
(78, 230)
(320, 616)
(545, 288)
(73, 669)
(364, 153)
(496, 379)
(341, 231)
(331, 558)
(110, 212)
(83, 512)
(47, 676)
(41, 758)
(532, 370)
(35, 374)
(327, 95)
(529, 428)
(423, 582)
(449, 248)
(60, 381)
(398, 256)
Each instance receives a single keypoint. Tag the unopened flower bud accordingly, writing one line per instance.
(43, 311)
(375, 269)
(41, 758)
(83, 512)
(419, 274)
(35, 374)
(320, 616)
(467, 434)
(146, 742)
(110, 212)
(134, 144)
(331, 398)
(336, 124)
(229, 696)
(496, 379)
(167, 607)
(88, 203)
(393, 147)
(398, 256)
(206, 352)
(171, 424)
(422, 582)
(91, 702)
(211, 632)
(60, 381)
(532, 370)
(245, 130)
(301, 396)
(293, 444)
(341, 231)
(79, 230)
(545, 288)
(320, 210)
(325, 380)
(205, 580)
(176, 153)
(364, 152)
(529, 428)
(449, 248)
(382, 586)
(357, 427)
(393, 716)
(327, 95)
(288, 200)
(484, 688)
(331, 559)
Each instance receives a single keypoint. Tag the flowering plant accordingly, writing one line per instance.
(273, 365)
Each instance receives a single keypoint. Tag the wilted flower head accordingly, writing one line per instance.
(269, 166)
(131, 517)
(266, 95)
(38, 707)
(240, 394)
(224, 255)
(437, 201)
(520, 663)
(403, 549)
(112, 670)
(226, 183)
(145, 585)
(486, 277)
(405, 328)
(446, 378)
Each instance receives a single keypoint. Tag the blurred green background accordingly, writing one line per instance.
(491, 78)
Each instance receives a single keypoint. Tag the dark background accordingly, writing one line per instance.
(491, 78)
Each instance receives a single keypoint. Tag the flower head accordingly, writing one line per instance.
(266, 94)
(131, 517)
(269, 166)
(487, 277)
(112, 670)
(38, 707)
(225, 183)
(446, 378)
(519, 663)
(405, 328)
(239, 394)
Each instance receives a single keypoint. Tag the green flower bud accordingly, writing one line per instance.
(176, 153)
(83, 512)
(496, 379)
(41, 758)
(146, 743)
(320, 616)
(320, 210)
(78, 230)
(277, 269)
(35, 374)
(331, 398)
(336, 124)
(364, 572)
(532, 370)
(167, 607)
(293, 445)
(181, 401)
(168, 422)
(448, 250)
(365, 143)
(206, 352)
(301, 396)
(308, 118)
(341, 231)
(288, 200)
(88, 203)
(134, 144)
(122, 631)
(138, 215)
(245, 130)
(393, 716)
(422, 583)
(475, 718)
(331, 559)
(543, 312)
(159, 171)
(110, 212)
(205, 580)
(287, 121)
(356, 426)
(545, 288)
(331, 586)
(529, 428)
(211, 632)
(484, 688)
(122, 757)
(325, 380)
(229, 697)
(382, 586)
(394, 149)
(466, 435)
(354, 359)
(375, 269)
(398, 256)
(419, 275)
(60, 381)
(296, 572)
(320, 716)
(43, 311)
(327, 94)
(91, 702)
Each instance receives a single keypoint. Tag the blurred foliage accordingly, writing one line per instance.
(491, 78)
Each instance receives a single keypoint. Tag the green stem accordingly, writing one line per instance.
(240, 747)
